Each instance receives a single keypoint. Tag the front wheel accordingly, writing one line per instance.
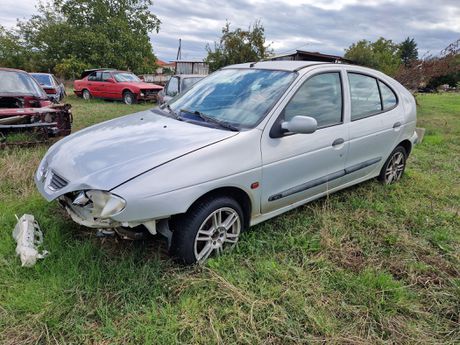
(209, 228)
(394, 167)
(86, 95)
(128, 98)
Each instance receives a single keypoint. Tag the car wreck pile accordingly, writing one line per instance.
(25, 108)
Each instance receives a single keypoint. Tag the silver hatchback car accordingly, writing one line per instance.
(245, 144)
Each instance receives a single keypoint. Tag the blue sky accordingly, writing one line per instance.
(325, 26)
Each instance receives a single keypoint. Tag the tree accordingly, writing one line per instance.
(238, 46)
(12, 52)
(408, 51)
(381, 54)
(432, 70)
(95, 33)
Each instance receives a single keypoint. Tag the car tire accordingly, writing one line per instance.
(129, 98)
(394, 167)
(86, 95)
(210, 227)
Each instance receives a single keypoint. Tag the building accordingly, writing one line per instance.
(164, 67)
(303, 55)
(191, 67)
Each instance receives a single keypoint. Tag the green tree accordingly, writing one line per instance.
(12, 52)
(382, 54)
(97, 33)
(408, 51)
(238, 46)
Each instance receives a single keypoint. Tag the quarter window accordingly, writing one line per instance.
(388, 96)
(319, 97)
(365, 96)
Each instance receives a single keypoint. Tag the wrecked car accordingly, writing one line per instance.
(24, 106)
(245, 144)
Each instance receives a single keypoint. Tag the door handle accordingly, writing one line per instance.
(338, 141)
(397, 125)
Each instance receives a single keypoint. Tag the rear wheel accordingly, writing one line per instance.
(128, 97)
(393, 168)
(207, 229)
(86, 94)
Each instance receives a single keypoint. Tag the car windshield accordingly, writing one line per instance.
(126, 76)
(187, 83)
(43, 79)
(18, 83)
(240, 97)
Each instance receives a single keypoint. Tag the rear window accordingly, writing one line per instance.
(43, 79)
(17, 83)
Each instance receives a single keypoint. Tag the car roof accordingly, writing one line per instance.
(190, 75)
(290, 65)
(40, 73)
(12, 70)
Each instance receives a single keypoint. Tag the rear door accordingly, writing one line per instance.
(297, 167)
(375, 127)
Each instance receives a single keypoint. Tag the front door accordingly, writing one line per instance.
(297, 167)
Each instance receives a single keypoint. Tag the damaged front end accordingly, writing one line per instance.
(29, 125)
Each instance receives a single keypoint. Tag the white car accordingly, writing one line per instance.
(245, 144)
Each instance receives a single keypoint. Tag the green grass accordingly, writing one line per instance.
(371, 264)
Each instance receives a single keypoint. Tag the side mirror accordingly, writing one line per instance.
(300, 124)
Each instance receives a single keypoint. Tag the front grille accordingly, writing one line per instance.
(150, 92)
(57, 182)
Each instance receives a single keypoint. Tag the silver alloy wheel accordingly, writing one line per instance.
(220, 230)
(86, 95)
(395, 168)
(128, 98)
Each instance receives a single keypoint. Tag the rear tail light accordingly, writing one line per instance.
(51, 91)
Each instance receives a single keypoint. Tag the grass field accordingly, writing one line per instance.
(369, 265)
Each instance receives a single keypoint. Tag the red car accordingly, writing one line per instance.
(117, 85)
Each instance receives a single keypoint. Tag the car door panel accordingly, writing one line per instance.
(300, 166)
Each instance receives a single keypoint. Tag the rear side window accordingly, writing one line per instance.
(365, 96)
(92, 76)
(319, 97)
(106, 76)
(388, 96)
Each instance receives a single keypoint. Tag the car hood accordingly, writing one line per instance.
(141, 85)
(108, 154)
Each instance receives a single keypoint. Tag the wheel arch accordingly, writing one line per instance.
(236, 193)
(407, 145)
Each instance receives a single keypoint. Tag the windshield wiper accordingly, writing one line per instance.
(210, 119)
(173, 113)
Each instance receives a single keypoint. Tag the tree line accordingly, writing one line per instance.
(67, 36)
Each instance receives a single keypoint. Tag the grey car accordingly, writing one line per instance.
(53, 88)
(178, 84)
(245, 144)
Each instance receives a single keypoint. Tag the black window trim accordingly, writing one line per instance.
(378, 80)
(273, 131)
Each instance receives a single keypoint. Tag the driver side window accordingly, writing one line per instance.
(173, 87)
(319, 97)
